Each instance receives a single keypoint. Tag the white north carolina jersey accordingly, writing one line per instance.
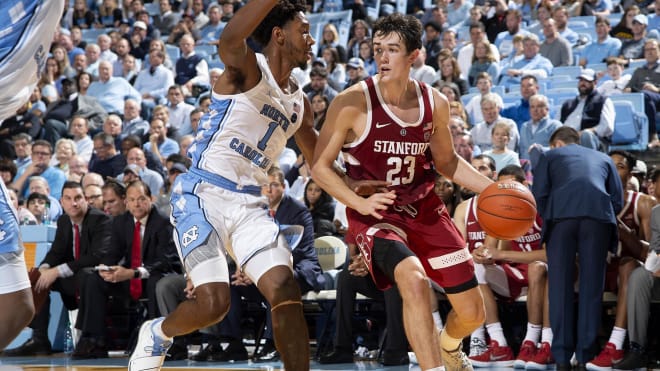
(26, 32)
(243, 134)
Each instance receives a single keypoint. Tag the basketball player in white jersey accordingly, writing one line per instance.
(217, 206)
(27, 28)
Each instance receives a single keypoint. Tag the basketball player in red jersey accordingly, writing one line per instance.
(634, 234)
(510, 269)
(390, 127)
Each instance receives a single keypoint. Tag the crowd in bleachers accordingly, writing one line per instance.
(126, 85)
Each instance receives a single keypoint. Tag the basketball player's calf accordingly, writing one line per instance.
(289, 327)
(401, 266)
(210, 306)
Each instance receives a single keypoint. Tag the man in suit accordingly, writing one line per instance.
(82, 240)
(131, 269)
(167, 19)
(306, 270)
(581, 222)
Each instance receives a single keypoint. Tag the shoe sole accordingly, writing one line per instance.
(138, 362)
(593, 367)
(481, 364)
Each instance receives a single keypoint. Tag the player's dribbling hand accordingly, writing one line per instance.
(482, 255)
(375, 203)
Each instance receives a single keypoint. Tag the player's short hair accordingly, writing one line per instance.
(407, 27)
(630, 159)
(284, 12)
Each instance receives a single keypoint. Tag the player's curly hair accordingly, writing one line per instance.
(407, 27)
(284, 12)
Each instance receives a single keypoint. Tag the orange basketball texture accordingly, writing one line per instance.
(506, 210)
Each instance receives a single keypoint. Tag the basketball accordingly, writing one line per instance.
(506, 210)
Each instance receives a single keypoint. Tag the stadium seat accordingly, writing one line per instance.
(206, 51)
(630, 128)
(566, 84)
(152, 8)
(173, 52)
(90, 35)
(571, 71)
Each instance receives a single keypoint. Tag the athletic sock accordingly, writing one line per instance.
(618, 337)
(533, 333)
(158, 330)
(546, 335)
(437, 320)
(479, 333)
(496, 333)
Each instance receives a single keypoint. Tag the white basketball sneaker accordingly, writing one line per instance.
(150, 349)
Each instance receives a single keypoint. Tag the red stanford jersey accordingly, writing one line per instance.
(393, 150)
(531, 240)
(475, 235)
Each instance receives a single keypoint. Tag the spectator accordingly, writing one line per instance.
(42, 152)
(530, 63)
(322, 207)
(137, 163)
(167, 19)
(93, 57)
(555, 47)
(646, 79)
(367, 55)
(450, 72)
(319, 107)
(191, 69)
(94, 196)
(483, 60)
(336, 70)
(159, 144)
(133, 123)
(356, 72)
(77, 168)
(114, 196)
(23, 147)
(22, 122)
(211, 31)
(617, 82)
(104, 43)
(473, 107)
(39, 184)
(319, 84)
(178, 113)
(330, 39)
(560, 16)
(590, 113)
(421, 71)
(198, 14)
(520, 111)
(623, 30)
(634, 48)
(361, 32)
(539, 128)
(153, 83)
(64, 149)
(503, 156)
(603, 47)
(111, 91)
(481, 133)
(432, 43)
(105, 160)
(504, 40)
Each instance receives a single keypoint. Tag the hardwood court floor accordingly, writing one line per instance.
(58, 362)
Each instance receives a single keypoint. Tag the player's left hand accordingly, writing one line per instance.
(48, 276)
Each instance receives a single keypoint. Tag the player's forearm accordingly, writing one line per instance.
(468, 177)
(330, 180)
(245, 21)
(524, 257)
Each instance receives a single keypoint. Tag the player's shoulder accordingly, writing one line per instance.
(353, 97)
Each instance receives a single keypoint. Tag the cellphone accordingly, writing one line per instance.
(103, 268)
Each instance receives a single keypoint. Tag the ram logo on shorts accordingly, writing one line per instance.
(190, 236)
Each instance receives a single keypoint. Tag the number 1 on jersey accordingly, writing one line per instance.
(263, 143)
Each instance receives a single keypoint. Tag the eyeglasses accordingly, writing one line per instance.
(41, 153)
